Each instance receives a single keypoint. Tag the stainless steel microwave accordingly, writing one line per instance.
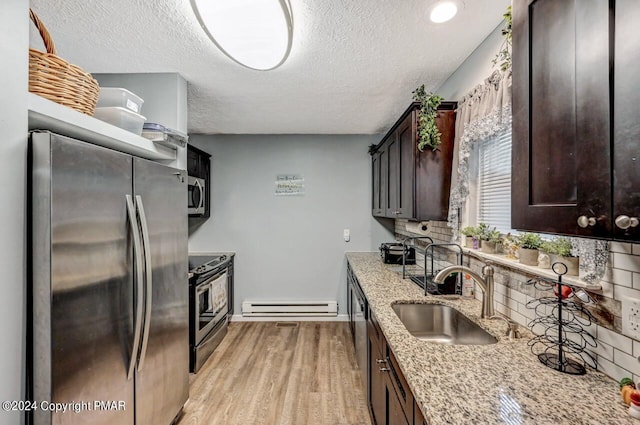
(197, 196)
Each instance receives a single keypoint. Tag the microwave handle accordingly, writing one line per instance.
(200, 188)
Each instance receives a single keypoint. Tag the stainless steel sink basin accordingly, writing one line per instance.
(441, 324)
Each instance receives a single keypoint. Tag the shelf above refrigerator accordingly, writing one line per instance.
(47, 115)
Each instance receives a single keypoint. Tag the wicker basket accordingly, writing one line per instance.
(55, 79)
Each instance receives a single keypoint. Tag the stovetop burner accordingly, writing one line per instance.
(203, 264)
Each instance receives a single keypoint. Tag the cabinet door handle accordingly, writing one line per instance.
(379, 361)
(584, 221)
(624, 222)
(384, 369)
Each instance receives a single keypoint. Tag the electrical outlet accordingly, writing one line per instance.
(631, 317)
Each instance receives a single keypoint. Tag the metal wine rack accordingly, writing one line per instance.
(564, 334)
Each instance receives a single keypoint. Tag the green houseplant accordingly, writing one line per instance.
(428, 133)
(528, 244)
(470, 234)
(489, 238)
(504, 55)
(546, 248)
(561, 253)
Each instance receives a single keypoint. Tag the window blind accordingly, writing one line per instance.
(494, 182)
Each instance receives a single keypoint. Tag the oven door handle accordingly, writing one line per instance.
(148, 281)
(137, 251)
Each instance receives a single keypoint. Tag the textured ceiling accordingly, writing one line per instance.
(352, 66)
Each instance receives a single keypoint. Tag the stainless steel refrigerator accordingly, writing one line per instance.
(108, 286)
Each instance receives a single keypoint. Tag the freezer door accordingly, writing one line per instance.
(162, 380)
(82, 282)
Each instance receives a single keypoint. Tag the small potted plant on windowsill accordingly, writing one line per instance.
(561, 253)
(481, 231)
(546, 249)
(470, 233)
(528, 244)
(510, 246)
(489, 241)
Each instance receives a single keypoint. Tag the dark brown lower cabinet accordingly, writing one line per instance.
(418, 419)
(390, 399)
(377, 385)
(396, 413)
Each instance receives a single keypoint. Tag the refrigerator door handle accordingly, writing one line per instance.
(148, 281)
(137, 250)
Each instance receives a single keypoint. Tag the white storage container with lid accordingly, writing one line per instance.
(119, 97)
(121, 117)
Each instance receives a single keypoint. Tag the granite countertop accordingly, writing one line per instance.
(502, 383)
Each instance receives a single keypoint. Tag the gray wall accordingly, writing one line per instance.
(14, 33)
(289, 248)
(165, 100)
(474, 69)
(164, 95)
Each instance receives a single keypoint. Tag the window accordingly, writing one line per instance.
(494, 182)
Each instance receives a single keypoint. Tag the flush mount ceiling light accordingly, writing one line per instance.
(254, 33)
(443, 11)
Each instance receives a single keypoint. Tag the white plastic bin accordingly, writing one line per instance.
(112, 97)
(121, 117)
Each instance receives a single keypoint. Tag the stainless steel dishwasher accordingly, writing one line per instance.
(358, 317)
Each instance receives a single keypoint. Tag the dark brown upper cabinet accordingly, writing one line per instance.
(626, 121)
(575, 127)
(408, 183)
(379, 183)
(199, 165)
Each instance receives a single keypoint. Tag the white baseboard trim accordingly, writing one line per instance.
(338, 318)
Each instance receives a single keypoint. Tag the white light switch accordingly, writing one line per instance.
(347, 235)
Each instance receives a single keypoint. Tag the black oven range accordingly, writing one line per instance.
(210, 304)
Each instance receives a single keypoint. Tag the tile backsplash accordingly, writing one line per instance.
(616, 354)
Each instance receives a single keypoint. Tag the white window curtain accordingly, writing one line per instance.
(482, 114)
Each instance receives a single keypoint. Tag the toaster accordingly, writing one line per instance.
(392, 252)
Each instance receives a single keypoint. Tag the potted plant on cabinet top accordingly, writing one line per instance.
(561, 253)
(528, 244)
(470, 234)
(428, 133)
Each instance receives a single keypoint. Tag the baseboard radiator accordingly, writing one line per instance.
(289, 308)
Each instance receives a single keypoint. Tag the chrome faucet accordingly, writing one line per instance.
(485, 282)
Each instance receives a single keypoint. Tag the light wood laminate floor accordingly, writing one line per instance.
(264, 373)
